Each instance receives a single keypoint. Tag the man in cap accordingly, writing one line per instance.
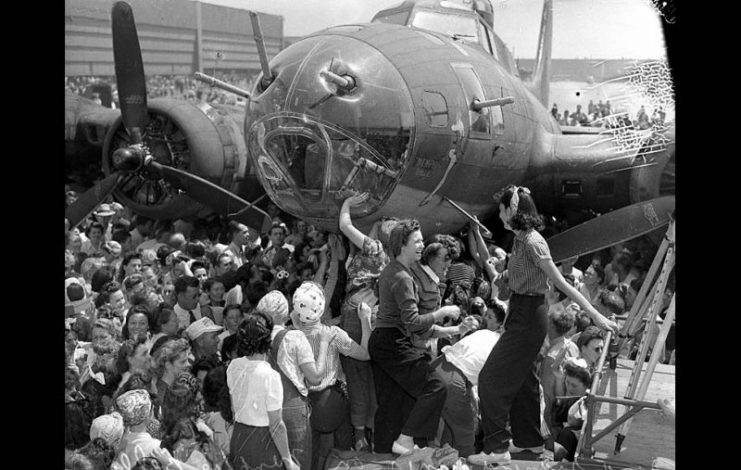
(104, 214)
(204, 338)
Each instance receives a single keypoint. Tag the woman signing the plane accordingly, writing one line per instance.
(508, 382)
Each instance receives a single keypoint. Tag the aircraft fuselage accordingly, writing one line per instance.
(410, 114)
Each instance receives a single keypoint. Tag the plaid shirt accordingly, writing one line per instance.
(525, 275)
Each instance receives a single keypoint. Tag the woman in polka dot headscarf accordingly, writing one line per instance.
(330, 405)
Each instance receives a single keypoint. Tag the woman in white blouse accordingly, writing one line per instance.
(259, 438)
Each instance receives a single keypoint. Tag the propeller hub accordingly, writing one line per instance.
(128, 159)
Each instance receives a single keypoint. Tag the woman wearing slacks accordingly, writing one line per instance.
(508, 382)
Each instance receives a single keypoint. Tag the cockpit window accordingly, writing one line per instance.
(456, 26)
(294, 152)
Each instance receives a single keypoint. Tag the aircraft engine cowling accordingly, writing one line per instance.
(199, 139)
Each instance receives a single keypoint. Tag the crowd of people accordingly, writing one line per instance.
(602, 115)
(181, 87)
(208, 345)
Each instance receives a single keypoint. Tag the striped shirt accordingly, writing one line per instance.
(461, 273)
(340, 344)
(525, 275)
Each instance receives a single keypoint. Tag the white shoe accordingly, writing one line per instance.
(484, 459)
(516, 450)
(399, 449)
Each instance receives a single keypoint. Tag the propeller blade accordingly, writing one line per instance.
(89, 200)
(130, 79)
(614, 227)
(217, 198)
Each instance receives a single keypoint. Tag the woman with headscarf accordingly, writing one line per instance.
(135, 408)
(365, 264)
(330, 404)
(292, 356)
(508, 382)
(259, 436)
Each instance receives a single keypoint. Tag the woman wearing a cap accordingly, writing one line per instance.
(508, 383)
(259, 438)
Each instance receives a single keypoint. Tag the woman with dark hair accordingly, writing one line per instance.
(137, 323)
(133, 356)
(76, 420)
(398, 366)
(101, 277)
(218, 407)
(568, 414)
(508, 382)
(100, 453)
(132, 264)
(259, 437)
(165, 324)
(594, 278)
(233, 316)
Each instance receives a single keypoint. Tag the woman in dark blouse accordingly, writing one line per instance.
(398, 366)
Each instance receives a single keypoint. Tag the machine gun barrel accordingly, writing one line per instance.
(479, 105)
(202, 77)
(267, 76)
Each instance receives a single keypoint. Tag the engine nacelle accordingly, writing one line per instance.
(200, 139)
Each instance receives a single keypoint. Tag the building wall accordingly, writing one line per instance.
(168, 37)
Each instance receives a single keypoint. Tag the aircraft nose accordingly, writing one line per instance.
(338, 116)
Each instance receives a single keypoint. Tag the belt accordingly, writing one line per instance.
(529, 294)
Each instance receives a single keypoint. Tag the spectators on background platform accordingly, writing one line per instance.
(601, 115)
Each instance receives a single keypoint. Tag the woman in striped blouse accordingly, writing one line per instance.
(508, 382)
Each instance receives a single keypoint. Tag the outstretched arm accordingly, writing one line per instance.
(554, 274)
(346, 226)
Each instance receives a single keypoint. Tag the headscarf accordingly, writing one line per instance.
(275, 305)
(134, 406)
(110, 427)
(515, 201)
(308, 306)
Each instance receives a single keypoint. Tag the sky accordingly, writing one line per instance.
(596, 29)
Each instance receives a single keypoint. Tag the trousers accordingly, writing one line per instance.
(400, 372)
(509, 387)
